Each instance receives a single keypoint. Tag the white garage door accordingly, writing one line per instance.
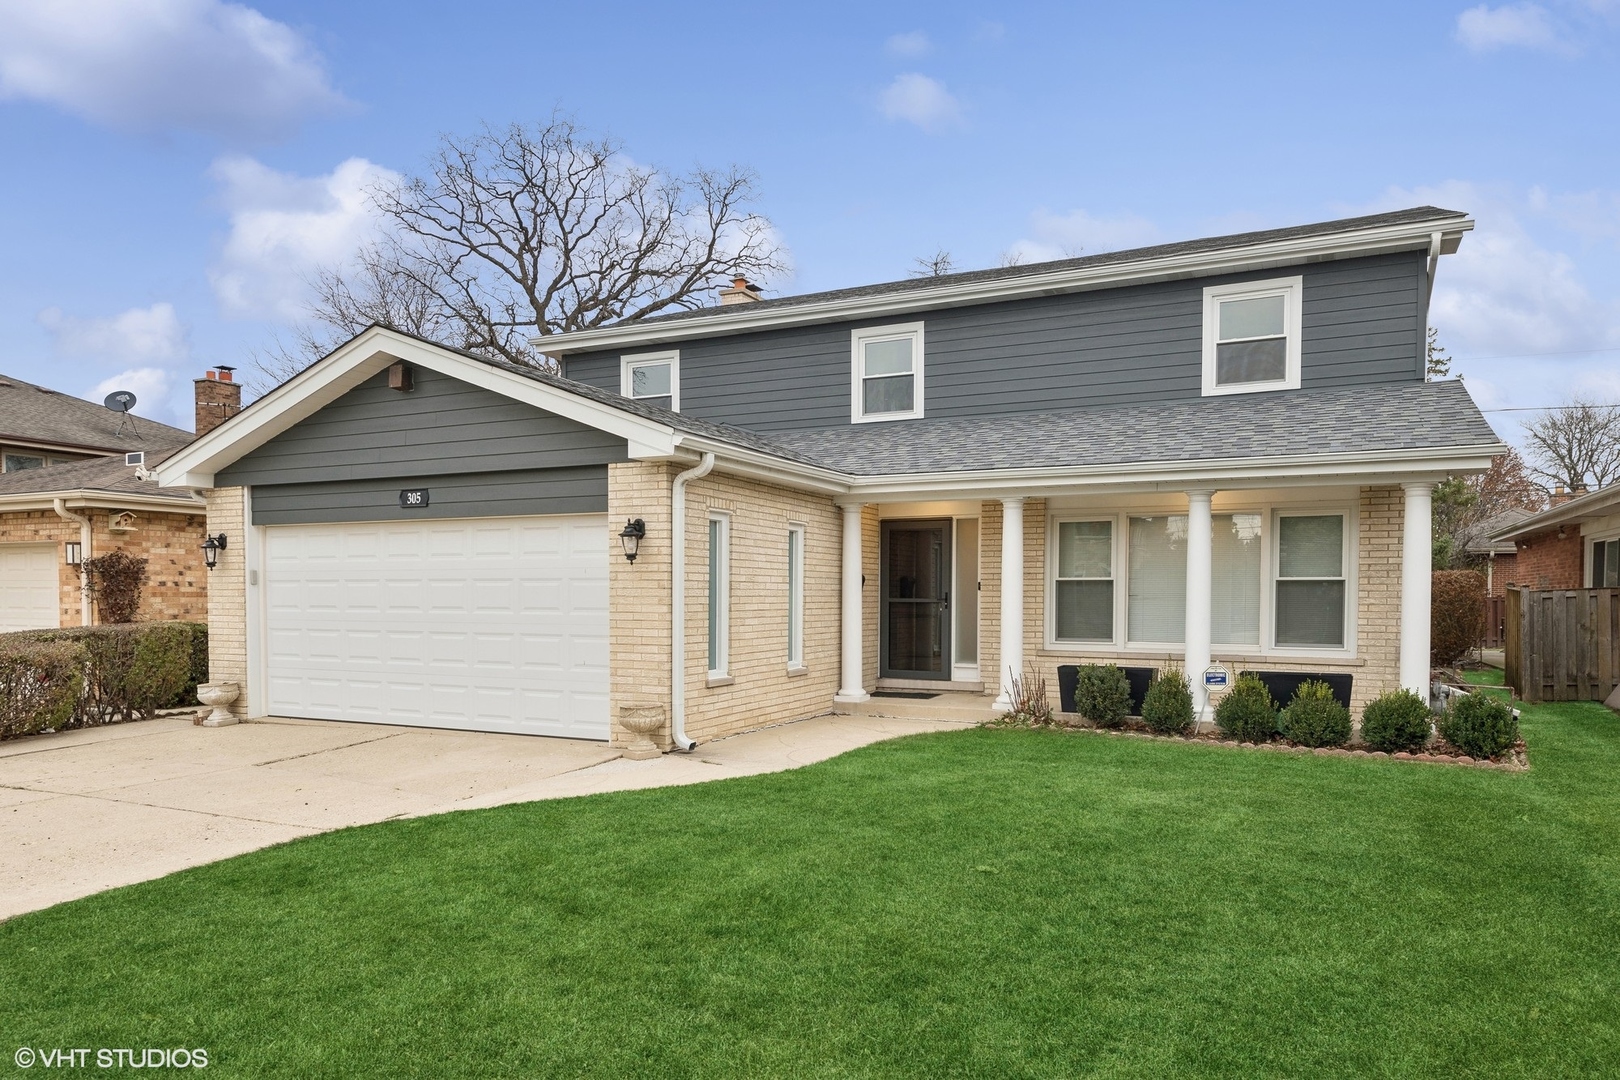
(488, 624)
(28, 587)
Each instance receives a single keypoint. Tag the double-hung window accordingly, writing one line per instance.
(1311, 583)
(719, 595)
(887, 382)
(1084, 590)
(1252, 336)
(795, 626)
(652, 377)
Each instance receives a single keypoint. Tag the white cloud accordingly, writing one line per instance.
(154, 390)
(912, 43)
(160, 65)
(149, 335)
(285, 227)
(1522, 25)
(1065, 236)
(919, 100)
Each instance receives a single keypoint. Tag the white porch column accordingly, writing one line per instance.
(1012, 597)
(850, 688)
(1200, 584)
(1417, 556)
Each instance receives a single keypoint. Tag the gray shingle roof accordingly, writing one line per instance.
(108, 474)
(36, 414)
(1003, 273)
(1361, 419)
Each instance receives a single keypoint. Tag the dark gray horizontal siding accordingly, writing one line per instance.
(442, 427)
(1138, 344)
(578, 490)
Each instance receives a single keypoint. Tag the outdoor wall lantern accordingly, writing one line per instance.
(634, 530)
(73, 553)
(211, 549)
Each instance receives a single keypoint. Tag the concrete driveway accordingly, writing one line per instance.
(88, 810)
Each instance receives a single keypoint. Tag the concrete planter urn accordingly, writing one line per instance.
(641, 721)
(219, 696)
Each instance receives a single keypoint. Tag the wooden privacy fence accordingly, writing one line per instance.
(1495, 622)
(1563, 644)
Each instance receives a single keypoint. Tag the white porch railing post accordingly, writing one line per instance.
(850, 688)
(1417, 556)
(1200, 584)
(1012, 597)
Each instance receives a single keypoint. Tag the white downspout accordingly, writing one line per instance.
(677, 602)
(1436, 241)
(60, 505)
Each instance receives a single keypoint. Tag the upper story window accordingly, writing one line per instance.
(652, 377)
(1252, 336)
(888, 373)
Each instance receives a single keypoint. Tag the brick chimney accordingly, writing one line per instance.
(741, 292)
(219, 397)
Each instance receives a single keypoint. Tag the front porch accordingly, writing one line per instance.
(955, 595)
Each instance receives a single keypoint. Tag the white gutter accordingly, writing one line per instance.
(677, 601)
(1261, 256)
(85, 536)
(105, 500)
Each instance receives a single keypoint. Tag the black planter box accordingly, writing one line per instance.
(1283, 684)
(1069, 681)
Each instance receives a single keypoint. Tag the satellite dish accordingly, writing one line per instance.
(120, 401)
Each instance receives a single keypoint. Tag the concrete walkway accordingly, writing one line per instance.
(88, 810)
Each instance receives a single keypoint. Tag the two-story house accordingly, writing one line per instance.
(1217, 452)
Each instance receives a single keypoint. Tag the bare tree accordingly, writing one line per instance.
(523, 232)
(1576, 445)
(1466, 509)
(936, 265)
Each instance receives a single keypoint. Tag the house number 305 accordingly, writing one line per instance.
(413, 498)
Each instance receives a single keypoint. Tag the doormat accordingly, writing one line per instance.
(920, 695)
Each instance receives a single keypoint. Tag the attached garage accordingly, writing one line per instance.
(29, 591)
(492, 624)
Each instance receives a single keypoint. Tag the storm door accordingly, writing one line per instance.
(916, 591)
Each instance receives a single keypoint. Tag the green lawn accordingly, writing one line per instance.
(979, 903)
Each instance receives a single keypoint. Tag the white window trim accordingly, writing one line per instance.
(631, 361)
(796, 561)
(1267, 647)
(720, 648)
(1292, 289)
(858, 338)
(1588, 539)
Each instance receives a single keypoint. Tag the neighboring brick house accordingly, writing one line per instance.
(1574, 544)
(1214, 452)
(1496, 559)
(76, 485)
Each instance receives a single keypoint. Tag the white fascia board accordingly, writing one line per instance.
(1381, 467)
(1594, 504)
(111, 500)
(741, 461)
(1266, 256)
(360, 359)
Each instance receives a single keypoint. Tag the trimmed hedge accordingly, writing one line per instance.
(1479, 725)
(1395, 721)
(1456, 614)
(40, 684)
(1168, 706)
(1246, 712)
(1102, 695)
(1315, 717)
(123, 672)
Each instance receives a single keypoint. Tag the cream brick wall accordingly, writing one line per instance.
(1375, 667)
(638, 593)
(227, 595)
(171, 544)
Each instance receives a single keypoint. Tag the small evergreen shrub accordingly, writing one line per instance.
(1168, 706)
(1102, 694)
(1479, 725)
(1315, 717)
(1396, 721)
(1247, 712)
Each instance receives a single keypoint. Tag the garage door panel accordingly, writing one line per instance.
(30, 590)
(494, 624)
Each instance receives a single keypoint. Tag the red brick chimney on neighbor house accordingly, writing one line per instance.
(219, 397)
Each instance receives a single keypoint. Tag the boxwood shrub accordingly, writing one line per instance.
(1168, 706)
(1102, 694)
(1395, 721)
(1247, 713)
(1479, 725)
(1315, 717)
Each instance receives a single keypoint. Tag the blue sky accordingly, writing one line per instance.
(173, 170)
